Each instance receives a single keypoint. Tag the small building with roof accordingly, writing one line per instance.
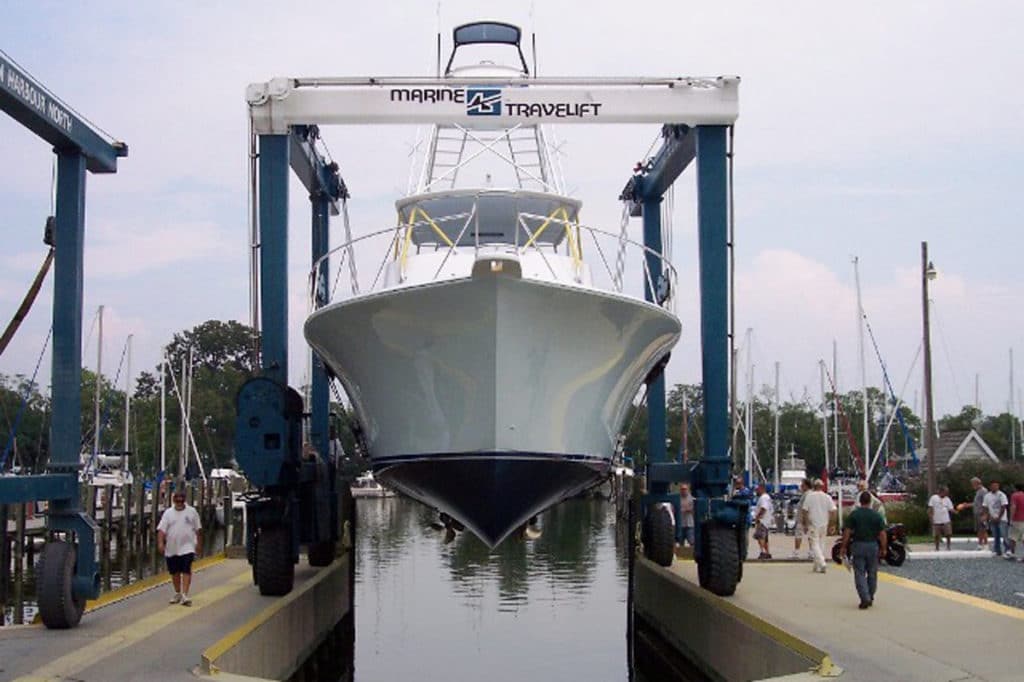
(957, 447)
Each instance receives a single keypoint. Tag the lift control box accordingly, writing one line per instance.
(268, 432)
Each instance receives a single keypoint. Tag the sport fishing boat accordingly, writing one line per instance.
(492, 364)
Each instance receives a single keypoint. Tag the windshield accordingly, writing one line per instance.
(497, 218)
(486, 33)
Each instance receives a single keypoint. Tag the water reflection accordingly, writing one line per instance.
(550, 608)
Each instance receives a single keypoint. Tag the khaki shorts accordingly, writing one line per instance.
(1017, 531)
(943, 529)
(761, 532)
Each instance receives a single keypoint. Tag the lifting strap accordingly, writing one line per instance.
(26, 304)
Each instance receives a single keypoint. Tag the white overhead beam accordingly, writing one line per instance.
(490, 102)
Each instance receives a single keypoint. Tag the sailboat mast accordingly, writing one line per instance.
(860, 345)
(96, 399)
(184, 418)
(824, 414)
(127, 400)
(1013, 425)
(776, 477)
(835, 404)
(163, 410)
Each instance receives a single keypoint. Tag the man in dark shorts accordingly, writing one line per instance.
(179, 536)
(866, 531)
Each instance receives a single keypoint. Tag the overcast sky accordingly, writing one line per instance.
(864, 130)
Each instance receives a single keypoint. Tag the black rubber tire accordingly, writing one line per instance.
(896, 555)
(275, 570)
(659, 536)
(58, 607)
(836, 556)
(721, 559)
(321, 553)
(250, 554)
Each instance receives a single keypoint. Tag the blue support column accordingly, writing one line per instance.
(273, 198)
(656, 448)
(319, 432)
(66, 427)
(712, 210)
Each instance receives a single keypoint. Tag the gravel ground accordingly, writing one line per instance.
(990, 578)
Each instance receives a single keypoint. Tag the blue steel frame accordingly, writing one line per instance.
(79, 149)
(276, 154)
(710, 475)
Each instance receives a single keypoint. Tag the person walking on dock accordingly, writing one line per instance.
(980, 514)
(939, 509)
(180, 538)
(817, 513)
(866, 531)
(876, 503)
(995, 505)
(686, 514)
(763, 518)
(1016, 539)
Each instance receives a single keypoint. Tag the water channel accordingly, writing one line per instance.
(429, 607)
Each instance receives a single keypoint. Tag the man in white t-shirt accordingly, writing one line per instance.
(939, 509)
(816, 512)
(764, 518)
(995, 504)
(179, 536)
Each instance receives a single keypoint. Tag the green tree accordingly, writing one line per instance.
(26, 446)
(222, 361)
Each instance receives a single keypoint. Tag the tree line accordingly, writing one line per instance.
(222, 360)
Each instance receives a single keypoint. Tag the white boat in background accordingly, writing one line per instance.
(490, 367)
(368, 486)
(236, 485)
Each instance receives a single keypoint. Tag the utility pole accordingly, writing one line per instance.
(927, 273)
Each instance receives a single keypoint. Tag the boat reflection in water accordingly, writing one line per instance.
(553, 608)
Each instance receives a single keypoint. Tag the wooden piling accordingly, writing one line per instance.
(108, 517)
(139, 536)
(90, 504)
(19, 564)
(5, 561)
(123, 528)
(154, 519)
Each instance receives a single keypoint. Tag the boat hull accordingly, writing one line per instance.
(492, 390)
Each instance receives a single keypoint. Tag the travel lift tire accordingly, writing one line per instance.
(58, 606)
(321, 553)
(250, 554)
(718, 570)
(275, 570)
(659, 535)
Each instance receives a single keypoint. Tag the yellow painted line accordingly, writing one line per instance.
(146, 584)
(825, 666)
(977, 602)
(116, 642)
(219, 648)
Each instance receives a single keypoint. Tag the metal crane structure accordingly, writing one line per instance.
(695, 114)
(68, 574)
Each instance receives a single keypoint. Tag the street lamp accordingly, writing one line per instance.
(928, 273)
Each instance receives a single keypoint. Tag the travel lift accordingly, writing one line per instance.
(67, 575)
(696, 115)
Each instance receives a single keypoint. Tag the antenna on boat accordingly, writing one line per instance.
(533, 39)
(437, 73)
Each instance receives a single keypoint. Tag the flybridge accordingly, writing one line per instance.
(491, 102)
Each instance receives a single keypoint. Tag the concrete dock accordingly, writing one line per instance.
(913, 632)
(134, 634)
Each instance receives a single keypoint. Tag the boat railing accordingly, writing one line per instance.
(557, 240)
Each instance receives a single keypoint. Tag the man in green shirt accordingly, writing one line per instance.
(866, 531)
